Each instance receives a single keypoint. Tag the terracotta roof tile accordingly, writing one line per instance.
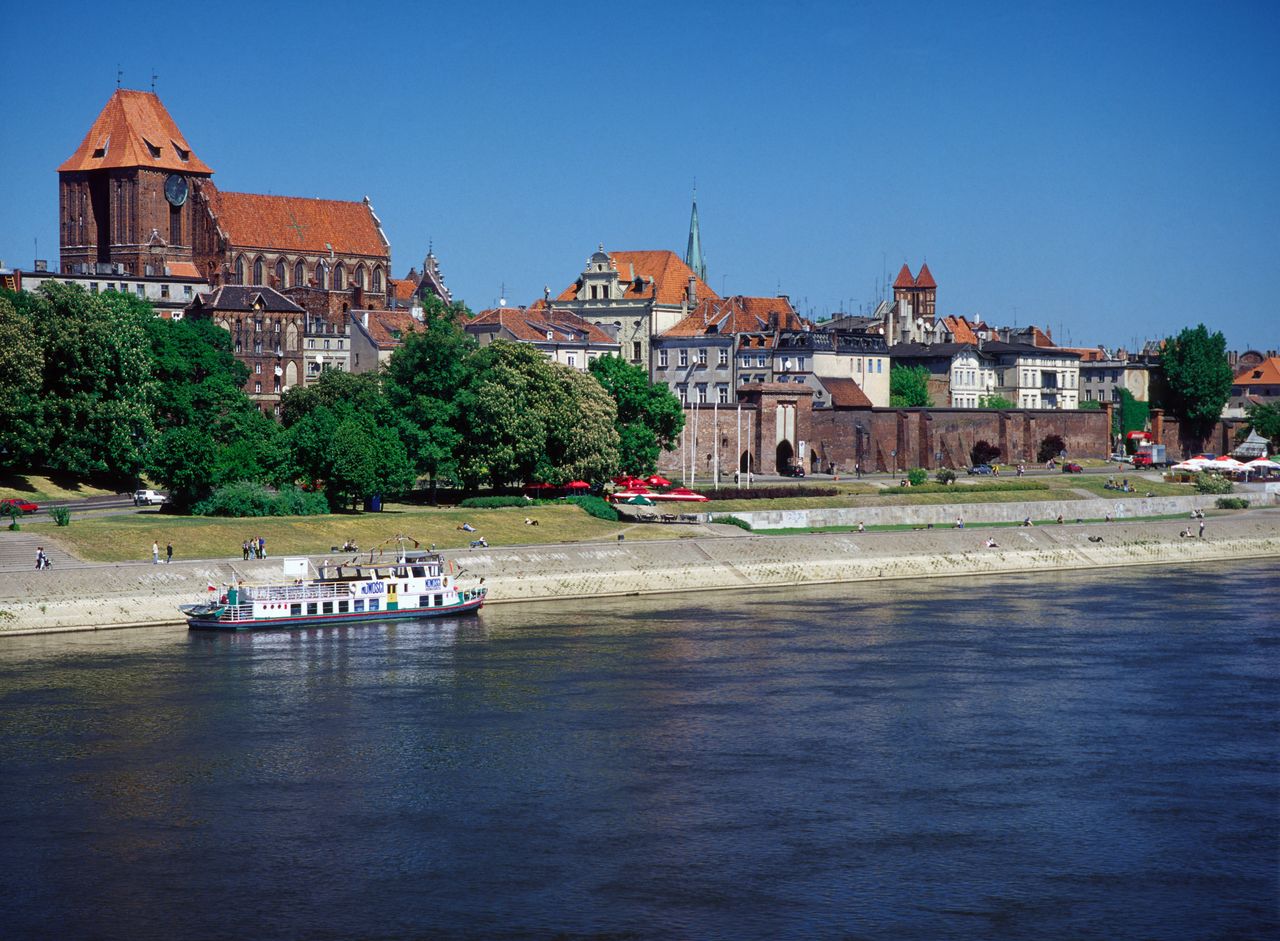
(925, 278)
(960, 329)
(402, 289)
(664, 275)
(183, 269)
(905, 279)
(298, 224)
(1266, 373)
(531, 324)
(845, 393)
(387, 328)
(134, 130)
(737, 314)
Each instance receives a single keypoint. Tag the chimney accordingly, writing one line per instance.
(357, 296)
(364, 319)
(692, 295)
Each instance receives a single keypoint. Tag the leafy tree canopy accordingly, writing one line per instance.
(909, 387)
(995, 401)
(1265, 420)
(1197, 377)
(649, 415)
(21, 382)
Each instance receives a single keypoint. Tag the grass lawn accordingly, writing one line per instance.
(904, 527)
(42, 489)
(128, 537)
(930, 495)
(1097, 485)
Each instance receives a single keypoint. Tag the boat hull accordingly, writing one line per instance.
(204, 617)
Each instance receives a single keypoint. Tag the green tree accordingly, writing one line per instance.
(909, 387)
(1129, 414)
(995, 401)
(649, 415)
(21, 380)
(1265, 420)
(1197, 377)
(97, 385)
(1090, 405)
(422, 382)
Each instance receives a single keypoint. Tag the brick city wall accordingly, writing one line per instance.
(878, 439)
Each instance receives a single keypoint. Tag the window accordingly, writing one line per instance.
(684, 358)
(760, 361)
(186, 290)
(358, 605)
(702, 356)
(437, 600)
(377, 280)
(311, 607)
(702, 393)
(360, 282)
(175, 225)
(635, 351)
(722, 393)
(299, 275)
(141, 290)
(373, 604)
(295, 610)
(880, 366)
(800, 363)
(724, 357)
(746, 361)
(328, 607)
(280, 274)
(257, 369)
(339, 277)
(257, 387)
(343, 607)
(662, 359)
(683, 392)
(239, 276)
(572, 359)
(111, 287)
(320, 275)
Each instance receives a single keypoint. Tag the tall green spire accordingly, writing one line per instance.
(693, 254)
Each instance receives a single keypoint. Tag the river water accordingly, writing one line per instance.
(1071, 756)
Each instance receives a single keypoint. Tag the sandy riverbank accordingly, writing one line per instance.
(114, 596)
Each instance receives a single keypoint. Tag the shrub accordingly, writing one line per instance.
(917, 476)
(1050, 448)
(247, 498)
(493, 503)
(61, 515)
(1212, 483)
(945, 476)
(984, 452)
(597, 507)
(732, 521)
(1231, 503)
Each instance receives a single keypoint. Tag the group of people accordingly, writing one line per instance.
(155, 553)
(254, 548)
(1123, 486)
(1196, 516)
(42, 560)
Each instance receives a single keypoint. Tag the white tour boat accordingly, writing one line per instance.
(414, 585)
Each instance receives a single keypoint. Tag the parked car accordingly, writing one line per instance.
(791, 470)
(26, 506)
(1072, 468)
(148, 498)
(1121, 458)
(980, 469)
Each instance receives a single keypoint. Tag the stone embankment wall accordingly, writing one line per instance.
(944, 514)
(140, 594)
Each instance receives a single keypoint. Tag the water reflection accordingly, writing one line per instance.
(1019, 757)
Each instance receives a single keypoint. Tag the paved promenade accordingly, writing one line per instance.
(104, 596)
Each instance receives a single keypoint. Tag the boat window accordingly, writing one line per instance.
(423, 600)
(373, 604)
(359, 604)
(342, 607)
(328, 607)
(419, 572)
(295, 610)
(437, 600)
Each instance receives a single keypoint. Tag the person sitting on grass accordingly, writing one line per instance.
(991, 543)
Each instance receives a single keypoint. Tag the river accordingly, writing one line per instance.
(1048, 756)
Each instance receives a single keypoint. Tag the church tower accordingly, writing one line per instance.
(123, 195)
(693, 254)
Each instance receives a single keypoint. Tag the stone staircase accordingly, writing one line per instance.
(18, 552)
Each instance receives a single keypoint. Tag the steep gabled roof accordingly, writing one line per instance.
(386, 329)
(960, 330)
(297, 224)
(905, 278)
(1266, 373)
(925, 278)
(242, 297)
(660, 275)
(532, 324)
(737, 314)
(134, 130)
(845, 393)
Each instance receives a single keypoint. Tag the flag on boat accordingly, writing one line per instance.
(213, 587)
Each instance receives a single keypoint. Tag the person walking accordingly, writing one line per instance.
(1201, 535)
(244, 549)
(155, 553)
(262, 548)
(39, 558)
(168, 553)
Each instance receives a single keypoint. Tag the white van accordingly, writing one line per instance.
(148, 498)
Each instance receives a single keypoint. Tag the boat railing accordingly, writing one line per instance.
(308, 591)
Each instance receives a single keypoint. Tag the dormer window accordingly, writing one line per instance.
(183, 154)
(152, 149)
(101, 151)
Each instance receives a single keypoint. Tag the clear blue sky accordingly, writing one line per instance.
(1108, 170)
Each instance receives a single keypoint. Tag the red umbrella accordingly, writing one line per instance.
(657, 481)
(578, 485)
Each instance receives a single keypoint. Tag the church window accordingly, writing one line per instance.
(377, 280)
(240, 271)
(320, 279)
(360, 277)
(280, 274)
(339, 277)
(175, 225)
(299, 275)
(258, 271)
(257, 346)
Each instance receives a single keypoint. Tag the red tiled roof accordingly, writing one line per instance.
(531, 324)
(1266, 373)
(845, 393)
(960, 329)
(663, 275)
(183, 269)
(297, 224)
(737, 314)
(925, 278)
(387, 327)
(402, 289)
(1089, 354)
(1040, 338)
(134, 130)
(905, 278)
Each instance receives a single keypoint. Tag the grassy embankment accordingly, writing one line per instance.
(49, 489)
